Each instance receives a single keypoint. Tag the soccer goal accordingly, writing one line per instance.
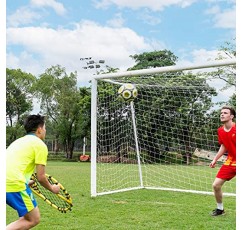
(167, 136)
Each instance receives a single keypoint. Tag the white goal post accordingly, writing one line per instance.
(165, 138)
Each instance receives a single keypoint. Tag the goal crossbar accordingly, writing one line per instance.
(173, 68)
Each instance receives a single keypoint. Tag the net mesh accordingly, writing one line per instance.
(176, 117)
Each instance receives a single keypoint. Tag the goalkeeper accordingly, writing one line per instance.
(227, 141)
(23, 155)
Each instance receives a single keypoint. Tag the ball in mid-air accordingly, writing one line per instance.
(127, 92)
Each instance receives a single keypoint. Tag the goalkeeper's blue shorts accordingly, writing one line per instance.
(23, 201)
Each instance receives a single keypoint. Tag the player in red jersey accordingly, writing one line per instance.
(227, 141)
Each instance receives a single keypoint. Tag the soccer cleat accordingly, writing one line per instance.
(217, 212)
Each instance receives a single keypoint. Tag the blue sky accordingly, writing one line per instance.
(42, 33)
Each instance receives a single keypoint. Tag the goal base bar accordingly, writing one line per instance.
(116, 191)
(189, 191)
(163, 189)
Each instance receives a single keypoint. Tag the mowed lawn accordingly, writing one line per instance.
(134, 210)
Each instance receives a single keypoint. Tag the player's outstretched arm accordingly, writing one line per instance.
(221, 151)
(40, 170)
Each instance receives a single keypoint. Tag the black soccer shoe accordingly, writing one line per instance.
(217, 212)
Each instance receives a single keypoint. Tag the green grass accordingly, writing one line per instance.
(134, 210)
(191, 177)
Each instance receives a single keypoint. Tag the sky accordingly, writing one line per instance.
(44, 33)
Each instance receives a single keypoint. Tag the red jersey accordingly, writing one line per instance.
(228, 139)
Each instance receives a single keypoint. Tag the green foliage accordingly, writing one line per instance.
(232, 100)
(186, 97)
(153, 59)
(226, 73)
(108, 69)
(229, 49)
(138, 210)
(19, 96)
(111, 115)
(12, 133)
(67, 107)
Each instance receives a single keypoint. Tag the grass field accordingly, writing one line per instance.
(121, 176)
(135, 210)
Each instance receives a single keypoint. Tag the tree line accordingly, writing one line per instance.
(67, 107)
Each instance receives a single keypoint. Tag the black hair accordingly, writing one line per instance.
(32, 122)
(231, 109)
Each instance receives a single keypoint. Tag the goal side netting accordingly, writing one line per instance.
(165, 138)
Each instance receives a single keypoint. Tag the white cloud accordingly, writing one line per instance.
(30, 13)
(196, 56)
(22, 16)
(203, 55)
(117, 21)
(213, 10)
(154, 5)
(216, 1)
(148, 18)
(226, 19)
(200, 56)
(57, 7)
(25, 60)
(65, 47)
(223, 19)
(157, 44)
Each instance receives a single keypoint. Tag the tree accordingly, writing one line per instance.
(74, 119)
(19, 94)
(232, 100)
(62, 102)
(111, 116)
(153, 59)
(227, 74)
(108, 69)
(173, 102)
(185, 98)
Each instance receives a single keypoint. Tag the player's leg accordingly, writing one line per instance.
(26, 206)
(217, 188)
(26, 222)
(225, 173)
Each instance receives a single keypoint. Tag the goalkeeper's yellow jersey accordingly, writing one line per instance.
(21, 158)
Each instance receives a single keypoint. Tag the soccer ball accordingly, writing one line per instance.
(127, 92)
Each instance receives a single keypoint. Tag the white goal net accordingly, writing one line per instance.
(164, 139)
